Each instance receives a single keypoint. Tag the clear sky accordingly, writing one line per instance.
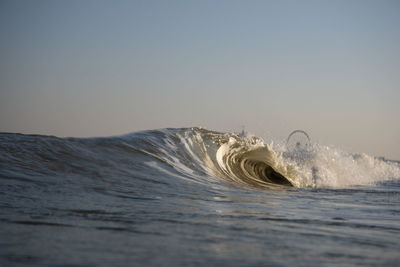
(99, 68)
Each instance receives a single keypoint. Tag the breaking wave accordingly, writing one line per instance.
(193, 154)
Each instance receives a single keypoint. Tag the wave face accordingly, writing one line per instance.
(192, 154)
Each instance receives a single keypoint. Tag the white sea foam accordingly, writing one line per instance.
(327, 166)
(248, 160)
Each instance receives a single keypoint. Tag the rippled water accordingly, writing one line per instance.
(192, 197)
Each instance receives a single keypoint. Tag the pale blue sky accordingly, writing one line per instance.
(98, 68)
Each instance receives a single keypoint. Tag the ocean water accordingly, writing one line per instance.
(194, 197)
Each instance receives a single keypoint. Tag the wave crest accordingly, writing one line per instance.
(248, 160)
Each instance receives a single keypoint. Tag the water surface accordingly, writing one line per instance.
(193, 197)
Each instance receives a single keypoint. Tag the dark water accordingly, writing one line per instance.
(192, 197)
